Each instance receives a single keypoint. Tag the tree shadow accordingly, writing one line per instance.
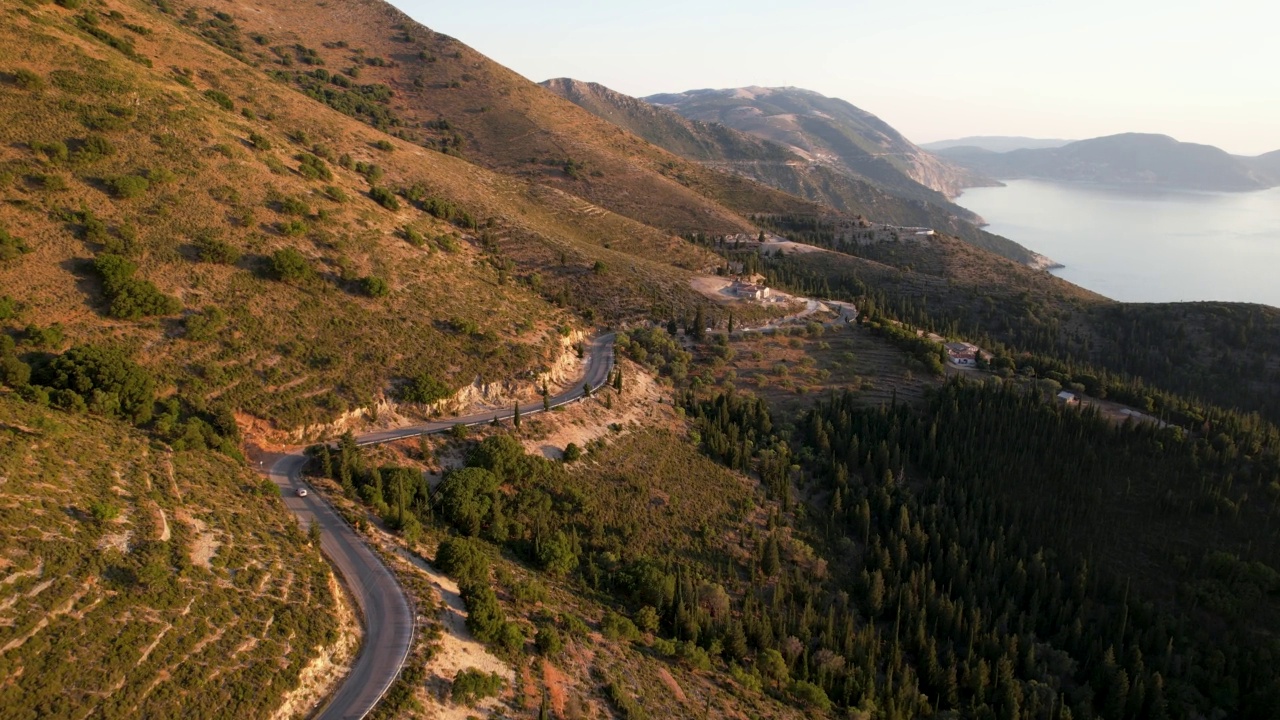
(87, 281)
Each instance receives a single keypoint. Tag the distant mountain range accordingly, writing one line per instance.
(826, 130)
(892, 196)
(995, 143)
(1129, 159)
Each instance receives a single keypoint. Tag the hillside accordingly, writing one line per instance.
(1128, 159)
(1268, 163)
(994, 143)
(1198, 355)
(143, 582)
(718, 146)
(830, 131)
(434, 91)
(235, 232)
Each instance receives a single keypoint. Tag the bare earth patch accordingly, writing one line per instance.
(206, 543)
(580, 423)
(456, 650)
(676, 691)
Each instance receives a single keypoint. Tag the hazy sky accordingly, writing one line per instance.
(935, 69)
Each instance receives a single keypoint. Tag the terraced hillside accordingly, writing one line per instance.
(140, 582)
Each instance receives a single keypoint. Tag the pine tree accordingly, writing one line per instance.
(515, 417)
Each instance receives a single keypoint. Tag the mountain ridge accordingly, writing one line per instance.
(718, 146)
(828, 130)
(1126, 159)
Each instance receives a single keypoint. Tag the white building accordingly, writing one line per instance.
(962, 353)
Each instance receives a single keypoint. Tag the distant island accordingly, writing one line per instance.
(995, 143)
(1136, 159)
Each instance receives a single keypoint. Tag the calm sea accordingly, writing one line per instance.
(1144, 245)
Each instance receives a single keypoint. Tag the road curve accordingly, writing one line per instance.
(386, 611)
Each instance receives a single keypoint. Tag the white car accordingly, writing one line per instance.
(302, 492)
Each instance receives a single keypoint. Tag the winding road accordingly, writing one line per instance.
(386, 611)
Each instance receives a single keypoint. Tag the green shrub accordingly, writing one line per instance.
(129, 186)
(385, 145)
(27, 80)
(10, 246)
(647, 619)
(413, 237)
(572, 453)
(93, 148)
(385, 198)
(131, 298)
(259, 142)
(14, 372)
(289, 265)
(44, 337)
(529, 592)
(222, 99)
(371, 172)
(313, 168)
(628, 708)
(49, 182)
(618, 627)
(693, 656)
(471, 686)
(102, 511)
(294, 206)
(374, 287)
(9, 308)
(466, 498)
(557, 556)
(55, 151)
(810, 695)
(464, 559)
(102, 373)
(548, 640)
(336, 194)
(212, 249)
(292, 228)
(425, 389)
(204, 324)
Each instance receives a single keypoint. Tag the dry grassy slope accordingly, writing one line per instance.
(285, 348)
(507, 122)
(191, 594)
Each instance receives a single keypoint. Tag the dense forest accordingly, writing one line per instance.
(1002, 556)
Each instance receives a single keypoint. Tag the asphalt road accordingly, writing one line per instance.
(386, 611)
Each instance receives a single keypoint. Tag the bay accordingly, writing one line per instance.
(1142, 245)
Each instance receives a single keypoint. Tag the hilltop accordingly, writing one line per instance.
(1126, 159)
(716, 145)
(830, 131)
(1268, 163)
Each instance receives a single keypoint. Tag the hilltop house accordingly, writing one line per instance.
(750, 291)
(1067, 398)
(962, 353)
